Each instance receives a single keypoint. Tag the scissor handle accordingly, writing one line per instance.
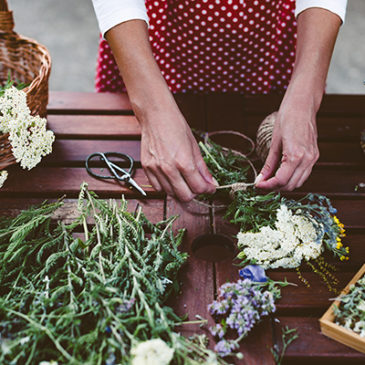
(104, 156)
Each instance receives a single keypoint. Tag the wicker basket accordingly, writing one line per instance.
(28, 62)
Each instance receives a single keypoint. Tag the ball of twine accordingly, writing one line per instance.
(264, 136)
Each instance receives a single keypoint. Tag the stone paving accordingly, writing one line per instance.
(69, 29)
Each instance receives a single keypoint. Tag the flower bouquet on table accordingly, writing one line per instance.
(241, 305)
(274, 231)
(23, 137)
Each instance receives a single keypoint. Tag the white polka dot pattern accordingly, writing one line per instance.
(244, 46)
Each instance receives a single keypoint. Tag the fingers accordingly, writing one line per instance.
(293, 171)
(271, 163)
(282, 176)
(152, 179)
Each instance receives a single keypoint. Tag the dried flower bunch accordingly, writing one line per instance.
(27, 134)
(241, 305)
(351, 311)
(92, 299)
(276, 231)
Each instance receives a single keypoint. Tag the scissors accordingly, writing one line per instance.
(126, 175)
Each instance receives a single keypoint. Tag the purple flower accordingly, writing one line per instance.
(254, 273)
(217, 330)
(225, 347)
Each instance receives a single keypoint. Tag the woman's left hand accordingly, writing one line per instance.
(294, 148)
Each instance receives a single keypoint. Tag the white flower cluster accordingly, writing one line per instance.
(28, 136)
(295, 238)
(3, 177)
(152, 352)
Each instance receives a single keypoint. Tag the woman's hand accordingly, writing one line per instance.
(171, 157)
(293, 150)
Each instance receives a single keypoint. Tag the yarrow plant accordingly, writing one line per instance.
(240, 306)
(27, 134)
(351, 312)
(277, 232)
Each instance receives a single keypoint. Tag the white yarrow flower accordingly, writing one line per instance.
(295, 238)
(3, 177)
(28, 136)
(152, 352)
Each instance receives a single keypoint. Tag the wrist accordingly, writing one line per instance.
(304, 92)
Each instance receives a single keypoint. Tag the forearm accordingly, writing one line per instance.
(316, 36)
(146, 86)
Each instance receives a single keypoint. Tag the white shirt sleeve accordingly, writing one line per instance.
(110, 13)
(335, 6)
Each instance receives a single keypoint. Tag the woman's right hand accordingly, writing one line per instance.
(171, 157)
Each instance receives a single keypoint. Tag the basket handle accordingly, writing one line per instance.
(6, 17)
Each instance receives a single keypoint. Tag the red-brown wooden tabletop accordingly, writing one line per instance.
(88, 122)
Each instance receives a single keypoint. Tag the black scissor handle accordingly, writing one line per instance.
(104, 156)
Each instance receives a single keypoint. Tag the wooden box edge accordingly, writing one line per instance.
(339, 333)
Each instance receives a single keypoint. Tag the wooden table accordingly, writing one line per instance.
(84, 123)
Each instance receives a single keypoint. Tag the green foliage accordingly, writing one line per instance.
(9, 83)
(287, 337)
(88, 300)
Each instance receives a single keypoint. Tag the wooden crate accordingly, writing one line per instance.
(339, 333)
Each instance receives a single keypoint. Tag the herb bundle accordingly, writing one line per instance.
(93, 300)
(239, 307)
(351, 311)
(276, 231)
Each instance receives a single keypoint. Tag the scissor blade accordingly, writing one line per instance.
(136, 186)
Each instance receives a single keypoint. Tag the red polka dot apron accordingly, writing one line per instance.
(244, 46)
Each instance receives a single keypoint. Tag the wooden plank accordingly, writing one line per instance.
(192, 107)
(116, 102)
(332, 104)
(11, 207)
(245, 113)
(54, 182)
(63, 102)
(94, 126)
(299, 299)
(330, 182)
(335, 155)
(313, 346)
(197, 290)
(74, 152)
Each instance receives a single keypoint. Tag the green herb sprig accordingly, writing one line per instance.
(287, 337)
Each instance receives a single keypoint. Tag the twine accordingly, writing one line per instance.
(238, 186)
(264, 136)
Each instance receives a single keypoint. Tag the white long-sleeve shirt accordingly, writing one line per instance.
(113, 12)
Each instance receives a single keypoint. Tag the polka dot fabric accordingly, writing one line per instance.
(243, 46)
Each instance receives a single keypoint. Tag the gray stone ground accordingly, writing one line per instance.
(69, 29)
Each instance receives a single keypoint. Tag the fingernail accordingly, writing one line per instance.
(258, 179)
(215, 182)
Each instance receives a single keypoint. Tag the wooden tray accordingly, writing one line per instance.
(339, 333)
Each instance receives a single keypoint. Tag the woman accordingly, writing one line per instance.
(245, 46)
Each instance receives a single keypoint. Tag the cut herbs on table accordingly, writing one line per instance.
(93, 300)
(27, 134)
(276, 232)
(351, 312)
